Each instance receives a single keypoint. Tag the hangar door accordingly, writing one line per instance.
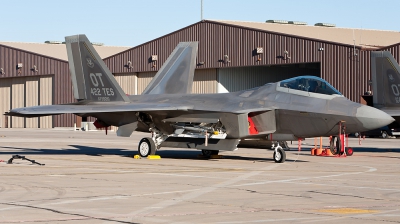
(236, 79)
(204, 81)
(127, 81)
(26, 92)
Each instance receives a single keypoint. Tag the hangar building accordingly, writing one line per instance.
(233, 55)
(37, 74)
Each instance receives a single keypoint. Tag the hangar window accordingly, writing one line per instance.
(310, 84)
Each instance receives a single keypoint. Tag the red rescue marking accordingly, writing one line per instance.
(252, 129)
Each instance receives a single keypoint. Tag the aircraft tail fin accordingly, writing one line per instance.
(176, 74)
(385, 72)
(91, 79)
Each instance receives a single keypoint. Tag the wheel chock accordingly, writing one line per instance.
(137, 157)
(216, 157)
(153, 157)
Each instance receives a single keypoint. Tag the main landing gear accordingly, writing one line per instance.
(148, 146)
(279, 153)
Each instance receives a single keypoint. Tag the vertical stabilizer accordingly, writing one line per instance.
(91, 79)
(176, 74)
(385, 79)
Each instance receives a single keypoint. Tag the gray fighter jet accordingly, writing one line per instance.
(385, 72)
(296, 108)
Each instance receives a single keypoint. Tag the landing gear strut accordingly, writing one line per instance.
(149, 146)
(339, 144)
(279, 153)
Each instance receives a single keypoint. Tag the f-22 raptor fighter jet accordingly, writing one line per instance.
(296, 108)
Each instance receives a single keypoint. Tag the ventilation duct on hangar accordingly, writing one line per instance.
(277, 21)
(298, 23)
(52, 42)
(325, 24)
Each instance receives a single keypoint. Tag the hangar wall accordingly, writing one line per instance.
(394, 50)
(235, 79)
(28, 85)
(25, 92)
(346, 67)
(128, 82)
(204, 81)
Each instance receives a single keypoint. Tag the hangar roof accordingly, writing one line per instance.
(59, 51)
(362, 37)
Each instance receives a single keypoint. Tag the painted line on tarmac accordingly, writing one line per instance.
(106, 198)
(371, 169)
(173, 201)
(380, 214)
(271, 220)
(349, 186)
(185, 175)
(119, 197)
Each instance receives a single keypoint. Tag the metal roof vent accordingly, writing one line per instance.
(97, 43)
(277, 21)
(325, 24)
(52, 42)
(298, 23)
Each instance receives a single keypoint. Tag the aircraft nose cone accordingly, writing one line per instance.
(372, 118)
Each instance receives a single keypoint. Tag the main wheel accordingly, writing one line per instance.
(146, 147)
(207, 152)
(335, 148)
(279, 155)
(384, 134)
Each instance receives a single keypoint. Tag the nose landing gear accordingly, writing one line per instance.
(339, 144)
(279, 153)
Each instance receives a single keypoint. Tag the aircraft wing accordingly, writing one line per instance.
(38, 111)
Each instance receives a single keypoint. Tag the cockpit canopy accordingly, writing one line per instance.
(309, 84)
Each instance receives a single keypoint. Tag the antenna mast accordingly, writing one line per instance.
(201, 15)
(354, 44)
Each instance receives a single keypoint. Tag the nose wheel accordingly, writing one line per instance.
(146, 147)
(279, 154)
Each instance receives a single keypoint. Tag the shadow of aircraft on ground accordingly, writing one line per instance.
(95, 151)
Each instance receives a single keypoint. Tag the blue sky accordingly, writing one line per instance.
(130, 23)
